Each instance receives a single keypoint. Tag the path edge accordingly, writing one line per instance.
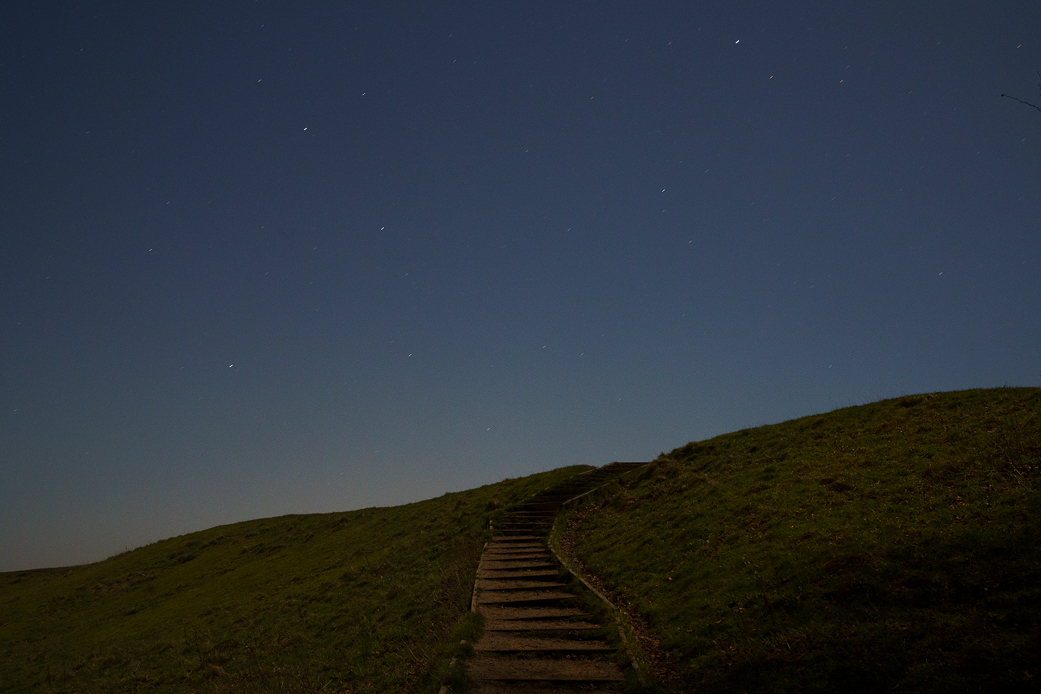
(637, 658)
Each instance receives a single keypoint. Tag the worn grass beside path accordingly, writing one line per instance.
(894, 545)
(360, 601)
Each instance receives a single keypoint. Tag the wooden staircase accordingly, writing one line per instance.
(537, 638)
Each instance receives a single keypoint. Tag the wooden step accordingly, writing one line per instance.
(487, 597)
(537, 625)
(500, 642)
(529, 612)
(533, 574)
(515, 565)
(518, 584)
(537, 669)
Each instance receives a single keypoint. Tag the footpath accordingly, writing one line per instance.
(537, 638)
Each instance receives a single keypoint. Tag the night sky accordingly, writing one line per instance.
(260, 258)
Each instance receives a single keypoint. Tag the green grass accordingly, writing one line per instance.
(894, 545)
(890, 546)
(368, 600)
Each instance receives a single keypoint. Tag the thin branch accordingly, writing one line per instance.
(1038, 108)
(1022, 102)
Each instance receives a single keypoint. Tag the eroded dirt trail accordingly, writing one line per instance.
(536, 637)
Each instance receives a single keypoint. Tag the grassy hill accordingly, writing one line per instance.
(895, 545)
(359, 601)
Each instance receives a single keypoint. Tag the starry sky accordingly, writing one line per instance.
(260, 258)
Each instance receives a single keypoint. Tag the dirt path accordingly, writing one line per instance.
(536, 636)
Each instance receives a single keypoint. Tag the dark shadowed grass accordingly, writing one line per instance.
(890, 546)
(368, 600)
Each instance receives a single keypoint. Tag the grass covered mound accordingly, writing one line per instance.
(894, 545)
(359, 601)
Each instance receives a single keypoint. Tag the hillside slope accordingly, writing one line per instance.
(362, 600)
(894, 545)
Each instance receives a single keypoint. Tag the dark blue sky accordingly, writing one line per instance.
(261, 258)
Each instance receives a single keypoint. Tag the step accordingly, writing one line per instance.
(495, 544)
(493, 687)
(501, 574)
(533, 612)
(528, 520)
(537, 669)
(538, 506)
(506, 553)
(534, 557)
(503, 545)
(502, 597)
(518, 584)
(500, 642)
(514, 522)
(537, 625)
(522, 511)
(517, 565)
